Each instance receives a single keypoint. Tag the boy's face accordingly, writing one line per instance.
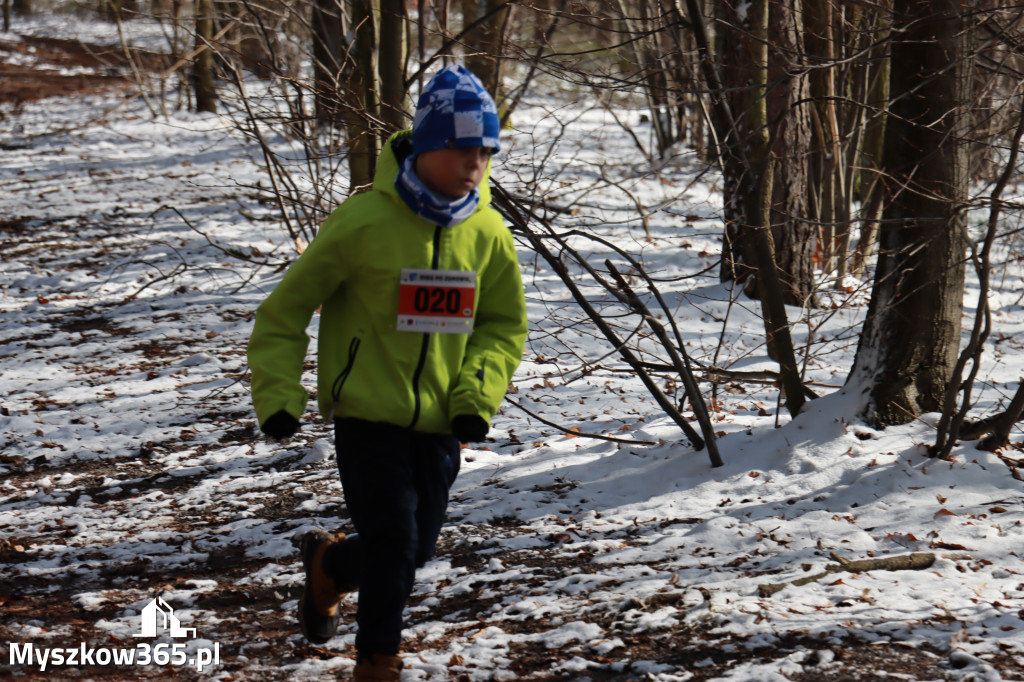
(453, 172)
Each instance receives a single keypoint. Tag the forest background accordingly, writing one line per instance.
(700, 191)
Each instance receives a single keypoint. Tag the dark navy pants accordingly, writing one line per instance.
(396, 484)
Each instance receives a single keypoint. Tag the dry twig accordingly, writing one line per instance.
(903, 562)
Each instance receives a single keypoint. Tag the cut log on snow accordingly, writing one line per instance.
(903, 562)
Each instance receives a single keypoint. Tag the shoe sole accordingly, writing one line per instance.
(310, 543)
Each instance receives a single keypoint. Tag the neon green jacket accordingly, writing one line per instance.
(366, 367)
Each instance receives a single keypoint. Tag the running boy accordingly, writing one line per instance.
(423, 323)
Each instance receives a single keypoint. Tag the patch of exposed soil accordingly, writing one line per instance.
(64, 67)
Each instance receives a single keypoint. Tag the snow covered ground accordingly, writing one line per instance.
(134, 254)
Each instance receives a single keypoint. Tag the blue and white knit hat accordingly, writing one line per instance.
(455, 110)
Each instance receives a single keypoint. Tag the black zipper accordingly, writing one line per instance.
(434, 265)
(339, 382)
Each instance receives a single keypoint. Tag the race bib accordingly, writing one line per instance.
(438, 301)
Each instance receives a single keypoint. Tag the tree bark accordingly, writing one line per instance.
(910, 341)
(960, 386)
(778, 89)
(328, 35)
(870, 155)
(202, 68)
(826, 155)
(746, 206)
(392, 65)
(794, 235)
(361, 96)
(485, 43)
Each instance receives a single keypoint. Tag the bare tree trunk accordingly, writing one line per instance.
(871, 158)
(751, 189)
(392, 65)
(421, 36)
(794, 235)
(114, 10)
(911, 337)
(328, 35)
(485, 43)
(656, 45)
(441, 10)
(738, 258)
(782, 93)
(361, 96)
(202, 68)
(7, 15)
(948, 429)
(821, 46)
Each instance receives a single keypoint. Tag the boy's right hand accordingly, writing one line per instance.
(280, 425)
(470, 428)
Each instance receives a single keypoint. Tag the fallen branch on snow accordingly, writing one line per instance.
(903, 562)
(576, 433)
(719, 375)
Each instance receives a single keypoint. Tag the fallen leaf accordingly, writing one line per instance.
(901, 538)
(959, 637)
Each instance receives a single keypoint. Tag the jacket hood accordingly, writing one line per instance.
(395, 151)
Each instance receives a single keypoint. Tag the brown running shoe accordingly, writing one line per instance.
(319, 610)
(378, 668)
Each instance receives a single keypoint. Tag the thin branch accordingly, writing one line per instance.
(576, 432)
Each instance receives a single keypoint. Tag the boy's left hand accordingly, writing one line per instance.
(470, 428)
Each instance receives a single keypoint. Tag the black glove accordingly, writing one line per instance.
(470, 428)
(280, 425)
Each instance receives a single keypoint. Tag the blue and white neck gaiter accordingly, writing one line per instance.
(428, 204)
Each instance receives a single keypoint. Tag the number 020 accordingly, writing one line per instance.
(437, 300)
